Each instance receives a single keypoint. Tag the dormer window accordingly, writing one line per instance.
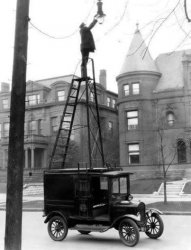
(32, 100)
(61, 95)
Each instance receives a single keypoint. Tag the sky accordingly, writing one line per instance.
(54, 40)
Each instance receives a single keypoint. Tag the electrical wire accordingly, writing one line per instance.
(66, 36)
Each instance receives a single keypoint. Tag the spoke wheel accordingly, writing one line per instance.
(57, 228)
(129, 232)
(84, 232)
(154, 226)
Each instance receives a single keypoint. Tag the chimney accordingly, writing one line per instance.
(4, 87)
(102, 78)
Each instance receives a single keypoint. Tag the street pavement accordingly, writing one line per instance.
(146, 198)
(176, 236)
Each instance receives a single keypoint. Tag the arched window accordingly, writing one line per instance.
(181, 150)
(170, 118)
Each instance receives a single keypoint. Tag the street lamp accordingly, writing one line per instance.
(100, 14)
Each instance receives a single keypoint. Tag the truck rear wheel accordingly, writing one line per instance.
(129, 232)
(57, 228)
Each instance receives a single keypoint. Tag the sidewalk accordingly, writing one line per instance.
(35, 202)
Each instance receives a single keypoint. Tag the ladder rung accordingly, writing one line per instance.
(71, 96)
(71, 104)
(65, 129)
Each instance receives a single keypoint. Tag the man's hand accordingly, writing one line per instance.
(96, 17)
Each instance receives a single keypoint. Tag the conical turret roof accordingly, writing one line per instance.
(138, 57)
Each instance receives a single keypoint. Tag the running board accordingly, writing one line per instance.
(92, 228)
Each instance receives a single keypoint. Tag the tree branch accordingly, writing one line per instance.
(186, 11)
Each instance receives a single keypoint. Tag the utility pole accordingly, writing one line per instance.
(13, 227)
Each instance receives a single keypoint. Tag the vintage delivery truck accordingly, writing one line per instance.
(96, 200)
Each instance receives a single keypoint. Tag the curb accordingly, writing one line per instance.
(175, 213)
(163, 212)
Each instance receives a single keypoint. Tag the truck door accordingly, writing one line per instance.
(83, 197)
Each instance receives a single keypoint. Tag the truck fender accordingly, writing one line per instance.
(53, 213)
(135, 218)
(152, 211)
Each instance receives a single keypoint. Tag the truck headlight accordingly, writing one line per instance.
(130, 197)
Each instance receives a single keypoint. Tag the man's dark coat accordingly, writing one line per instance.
(87, 40)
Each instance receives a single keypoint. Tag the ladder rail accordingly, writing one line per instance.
(62, 141)
(61, 121)
(97, 111)
(71, 124)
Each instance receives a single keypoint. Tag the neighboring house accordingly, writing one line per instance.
(154, 97)
(45, 100)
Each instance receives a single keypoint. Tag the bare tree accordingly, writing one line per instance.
(167, 156)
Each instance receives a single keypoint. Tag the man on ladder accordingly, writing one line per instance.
(87, 44)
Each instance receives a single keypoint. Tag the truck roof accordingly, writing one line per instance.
(117, 172)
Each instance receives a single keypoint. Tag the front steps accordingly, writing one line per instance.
(173, 188)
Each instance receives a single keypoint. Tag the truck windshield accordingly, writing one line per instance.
(119, 185)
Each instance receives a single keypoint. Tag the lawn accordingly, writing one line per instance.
(183, 206)
(145, 186)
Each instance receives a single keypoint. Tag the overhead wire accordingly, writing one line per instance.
(66, 36)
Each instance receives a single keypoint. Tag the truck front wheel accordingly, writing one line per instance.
(154, 226)
(129, 232)
(57, 228)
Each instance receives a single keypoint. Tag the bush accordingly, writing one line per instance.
(187, 188)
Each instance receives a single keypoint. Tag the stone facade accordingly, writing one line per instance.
(45, 100)
(154, 106)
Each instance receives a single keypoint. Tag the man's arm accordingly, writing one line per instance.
(92, 24)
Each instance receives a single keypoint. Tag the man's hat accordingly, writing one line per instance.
(82, 25)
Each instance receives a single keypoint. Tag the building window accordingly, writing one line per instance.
(170, 118)
(135, 88)
(54, 124)
(61, 95)
(132, 119)
(181, 150)
(113, 103)
(5, 103)
(110, 127)
(40, 127)
(32, 127)
(91, 97)
(32, 100)
(108, 101)
(134, 154)
(6, 129)
(126, 89)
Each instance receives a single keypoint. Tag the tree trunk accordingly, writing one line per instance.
(165, 190)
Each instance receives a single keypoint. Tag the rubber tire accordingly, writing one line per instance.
(155, 218)
(134, 227)
(63, 231)
(84, 232)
